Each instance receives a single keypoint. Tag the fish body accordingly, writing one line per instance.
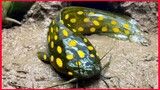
(72, 54)
(89, 21)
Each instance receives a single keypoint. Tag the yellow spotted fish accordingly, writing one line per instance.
(88, 21)
(70, 53)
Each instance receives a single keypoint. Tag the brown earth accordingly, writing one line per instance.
(132, 65)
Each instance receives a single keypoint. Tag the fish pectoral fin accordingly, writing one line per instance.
(43, 57)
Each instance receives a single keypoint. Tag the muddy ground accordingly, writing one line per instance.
(132, 65)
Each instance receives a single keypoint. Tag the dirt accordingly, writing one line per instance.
(132, 65)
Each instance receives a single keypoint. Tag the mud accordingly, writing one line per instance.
(132, 65)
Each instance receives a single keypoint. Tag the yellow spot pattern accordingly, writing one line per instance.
(74, 30)
(56, 29)
(116, 30)
(45, 57)
(96, 23)
(86, 20)
(91, 13)
(127, 32)
(59, 62)
(69, 25)
(52, 44)
(70, 73)
(55, 37)
(80, 12)
(113, 22)
(62, 22)
(85, 40)
(104, 29)
(97, 54)
(81, 54)
(65, 33)
(91, 55)
(73, 20)
(66, 16)
(53, 22)
(49, 38)
(69, 56)
(59, 49)
(92, 29)
(72, 43)
(52, 58)
(78, 63)
(90, 47)
(51, 29)
(100, 18)
(80, 29)
(126, 25)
